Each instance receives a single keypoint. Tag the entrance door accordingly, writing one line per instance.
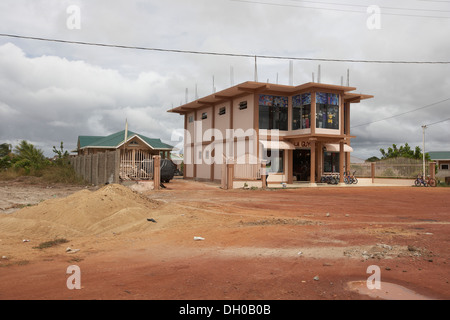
(301, 164)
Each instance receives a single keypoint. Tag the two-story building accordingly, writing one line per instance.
(301, 132)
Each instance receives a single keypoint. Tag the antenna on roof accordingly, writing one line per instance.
(186, 95)
(256, 71)
(277, 77)
(126, 129)
(318, 74)
(213, 88)
(348, 77)
(313, 77)
(291, 73)
(231, 76)
(196, 92)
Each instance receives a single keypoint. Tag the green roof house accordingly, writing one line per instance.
(442, 159)
(124, 140)
(136, 152)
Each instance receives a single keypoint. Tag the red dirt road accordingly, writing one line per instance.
(267, 245)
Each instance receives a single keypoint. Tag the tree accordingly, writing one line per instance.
(62, 155)
(5, 156)
(404, 152)
(373, 159)
(27, 156)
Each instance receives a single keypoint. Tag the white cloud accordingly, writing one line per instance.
(52, 91)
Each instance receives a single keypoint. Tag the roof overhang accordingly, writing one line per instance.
(251, 87)
(280, 145)
(334, 147)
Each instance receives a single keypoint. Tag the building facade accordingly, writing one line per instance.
(300, 132)
(442, 159)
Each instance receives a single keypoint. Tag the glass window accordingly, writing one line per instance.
(274, 160)
(301, 111)
(273, 112)
(327, 110)
(331, 161)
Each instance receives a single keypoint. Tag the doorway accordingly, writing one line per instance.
(301, 164)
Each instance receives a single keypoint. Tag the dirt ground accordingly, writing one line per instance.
(284, 244)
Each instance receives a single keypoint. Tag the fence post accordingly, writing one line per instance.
(224, 174)
(372, 171)
(156, 172)
(432, 170)
(230, 175)
(263, 175)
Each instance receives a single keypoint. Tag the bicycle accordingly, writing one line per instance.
(350, 179)
(330, 179)
(429, 182)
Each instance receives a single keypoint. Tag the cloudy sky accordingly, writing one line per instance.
(52, 92)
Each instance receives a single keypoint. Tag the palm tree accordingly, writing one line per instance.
(27, 155)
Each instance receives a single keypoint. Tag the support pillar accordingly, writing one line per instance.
(156, 172)
(313, 163)
(341, 162)
(230, 175)
(432, 170)
(263, 175)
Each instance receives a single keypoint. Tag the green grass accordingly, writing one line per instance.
(52, 243)
(52, 174)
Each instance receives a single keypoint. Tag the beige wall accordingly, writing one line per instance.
(243, 119)
(222, 122)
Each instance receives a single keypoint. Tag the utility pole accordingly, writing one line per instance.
(423, 151)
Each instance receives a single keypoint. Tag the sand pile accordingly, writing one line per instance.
(111, 209)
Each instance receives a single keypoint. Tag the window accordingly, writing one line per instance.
(242, 105)
(444, 166)
(204, 115)
(273, 112)
(301, 111)
(274, 160)
(327, 110)
(331, 162)
(191, 119)
(222, 111)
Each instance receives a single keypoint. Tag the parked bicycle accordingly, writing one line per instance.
(330, 179)
(428, 182)
(350, 178)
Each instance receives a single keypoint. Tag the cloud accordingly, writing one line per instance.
(51, 92)
(51, 99)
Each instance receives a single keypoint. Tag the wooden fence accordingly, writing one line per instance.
(99, 168)
(114, 167)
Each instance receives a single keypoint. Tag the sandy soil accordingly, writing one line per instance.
(291, 244)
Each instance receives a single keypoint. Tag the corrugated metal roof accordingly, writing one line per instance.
(439, 155)
(116, 139)
(87, 140)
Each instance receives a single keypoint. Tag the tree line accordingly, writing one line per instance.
(400, 152)
(29, 158)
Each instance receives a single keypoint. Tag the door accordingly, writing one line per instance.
(301, 164)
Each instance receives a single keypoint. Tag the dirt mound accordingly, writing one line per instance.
(111, 209)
